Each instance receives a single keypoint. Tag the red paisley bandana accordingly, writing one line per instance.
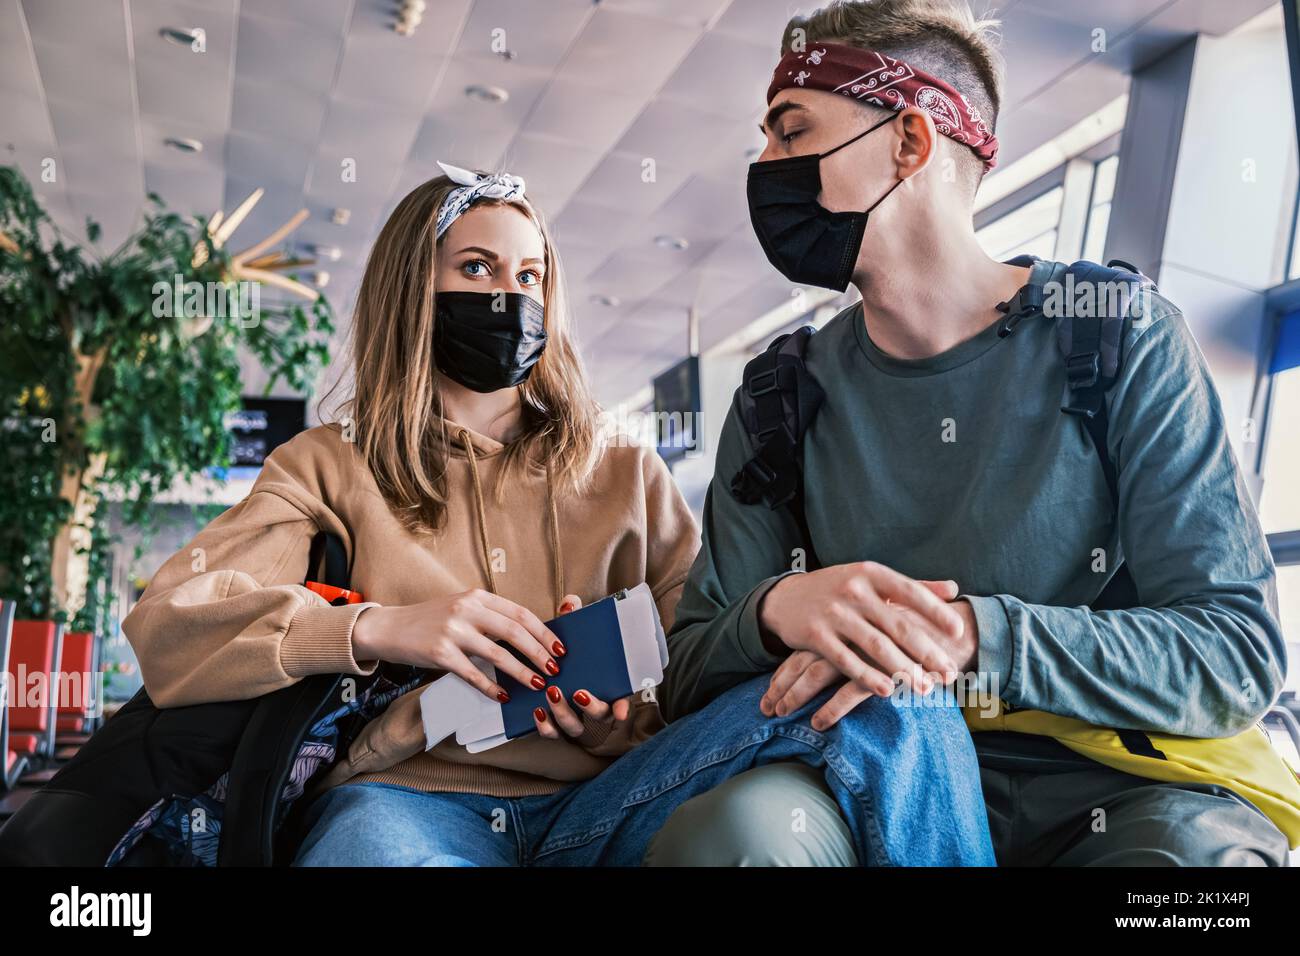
(884, 81)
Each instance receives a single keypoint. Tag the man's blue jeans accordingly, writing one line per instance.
(903, 772)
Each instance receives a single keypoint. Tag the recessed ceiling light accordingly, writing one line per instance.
(320, 251)
(409, 17)
(186, 38)
(321, 279)
(488, 94)
(608, 301)
(671, 242)
(184, 144)
(340, 216)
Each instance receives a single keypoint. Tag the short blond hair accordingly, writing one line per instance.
(941, 37)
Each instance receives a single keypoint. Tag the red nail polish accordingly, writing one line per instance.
(538, 683)
(503, 697)
(540, 715)
(552, 668)
(558, 649)
(554, 694)
(583, 698)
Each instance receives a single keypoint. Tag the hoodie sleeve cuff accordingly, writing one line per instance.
(593, 734)
(319, 641)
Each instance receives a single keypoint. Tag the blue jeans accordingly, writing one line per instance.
(904, 776)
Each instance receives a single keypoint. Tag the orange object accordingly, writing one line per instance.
(336, 596)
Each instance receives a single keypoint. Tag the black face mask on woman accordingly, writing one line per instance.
(806, 242)
(488, 340)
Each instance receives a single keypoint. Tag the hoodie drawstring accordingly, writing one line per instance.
(557, 563)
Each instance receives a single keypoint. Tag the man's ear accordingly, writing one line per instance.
(918, 141)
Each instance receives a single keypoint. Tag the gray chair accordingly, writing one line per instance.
(14, 763)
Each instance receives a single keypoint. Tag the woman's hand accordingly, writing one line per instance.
(586, 711)
(445, 632)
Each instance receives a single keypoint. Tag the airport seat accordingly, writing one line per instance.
(78, 663)
(15, 762)
(29, 744)
(35, 648)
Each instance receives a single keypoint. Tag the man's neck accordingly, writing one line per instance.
(925, 296)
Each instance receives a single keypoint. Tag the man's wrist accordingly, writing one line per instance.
(972, 632)
(772, 642)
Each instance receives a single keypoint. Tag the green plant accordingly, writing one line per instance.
(108, 380)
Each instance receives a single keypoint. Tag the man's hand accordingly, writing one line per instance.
(806, 673)
(868, 621)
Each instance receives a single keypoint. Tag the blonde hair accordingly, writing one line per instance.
(395, 401)
(941, 37)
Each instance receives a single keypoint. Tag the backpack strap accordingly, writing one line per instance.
(327, 570)
(1090, 340)
(778, 400)
(1091, 345)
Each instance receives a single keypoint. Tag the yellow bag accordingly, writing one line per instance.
(1246, 764)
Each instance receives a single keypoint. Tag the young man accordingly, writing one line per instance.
(941, 464)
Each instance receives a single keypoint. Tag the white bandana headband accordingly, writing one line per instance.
(473, 186)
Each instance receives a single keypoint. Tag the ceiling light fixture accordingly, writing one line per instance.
(340, 216)
(608, 301)
(185, 38)
(488, 94)
(672, 242)
(408, 17)
(332, 253)
(183, 144)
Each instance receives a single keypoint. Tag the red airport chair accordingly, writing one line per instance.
(14, 762)
(77, 703)
(35, 648)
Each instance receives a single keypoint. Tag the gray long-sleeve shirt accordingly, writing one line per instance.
(963, 466)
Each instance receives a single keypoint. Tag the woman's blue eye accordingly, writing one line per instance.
(474, 264)
(532, 278)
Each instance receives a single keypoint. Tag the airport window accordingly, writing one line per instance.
(1279, 504)
(1103, 191)
(1288, 598)
(1294, 271)
(1279, 510)
(1029, 229)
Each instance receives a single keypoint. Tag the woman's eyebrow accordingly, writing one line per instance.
(531, 261)
(486, 253)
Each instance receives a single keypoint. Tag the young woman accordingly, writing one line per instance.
(476, 501)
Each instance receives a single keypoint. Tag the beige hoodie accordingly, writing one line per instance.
(228, 618)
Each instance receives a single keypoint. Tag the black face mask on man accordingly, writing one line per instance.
(806, 242)
(488, 340)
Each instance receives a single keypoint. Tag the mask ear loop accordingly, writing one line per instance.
(850, 142)
(887, 119)
(897, 183)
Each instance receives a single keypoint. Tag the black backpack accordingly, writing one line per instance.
(234, 762)
(779, 398)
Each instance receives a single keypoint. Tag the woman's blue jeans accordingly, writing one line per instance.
(902, 771)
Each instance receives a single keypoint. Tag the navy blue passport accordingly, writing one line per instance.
(595, 661)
